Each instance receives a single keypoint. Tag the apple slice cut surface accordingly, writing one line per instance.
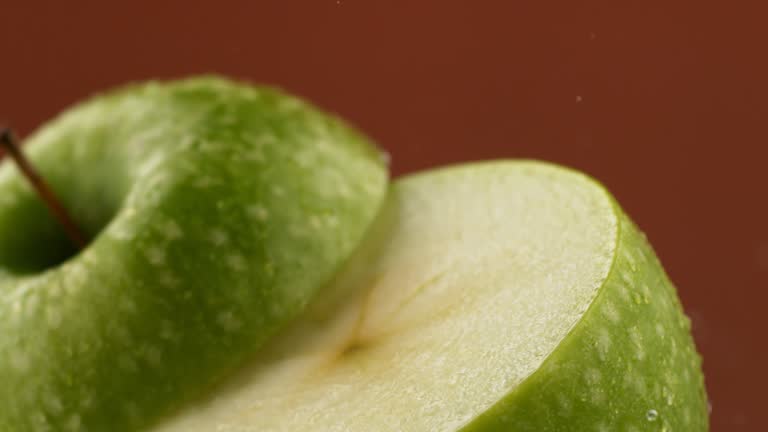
(491, 296)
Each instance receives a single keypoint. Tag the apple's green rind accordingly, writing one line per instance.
(630, 364)
(510, 296)
(219, 209)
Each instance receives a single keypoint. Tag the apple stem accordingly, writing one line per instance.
(8, 141)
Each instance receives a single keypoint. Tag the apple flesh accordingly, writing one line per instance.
(216, 211)
(502, 296)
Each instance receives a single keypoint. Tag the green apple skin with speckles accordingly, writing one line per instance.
(216, 211)
(509, 296)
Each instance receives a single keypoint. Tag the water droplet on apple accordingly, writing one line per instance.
(652, 415)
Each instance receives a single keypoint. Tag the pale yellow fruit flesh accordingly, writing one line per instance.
(471, 278)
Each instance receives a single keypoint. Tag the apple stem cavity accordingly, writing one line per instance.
(9, 143)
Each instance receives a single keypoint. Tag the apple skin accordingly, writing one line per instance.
(216, 209)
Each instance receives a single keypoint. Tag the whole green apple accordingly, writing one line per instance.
(216, 211)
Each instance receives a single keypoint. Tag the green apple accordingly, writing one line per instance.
(216, 211)
(248, 271)
(502, 296)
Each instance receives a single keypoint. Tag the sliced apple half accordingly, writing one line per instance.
(512, 296)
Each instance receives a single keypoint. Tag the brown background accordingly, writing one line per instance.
(663, 101)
